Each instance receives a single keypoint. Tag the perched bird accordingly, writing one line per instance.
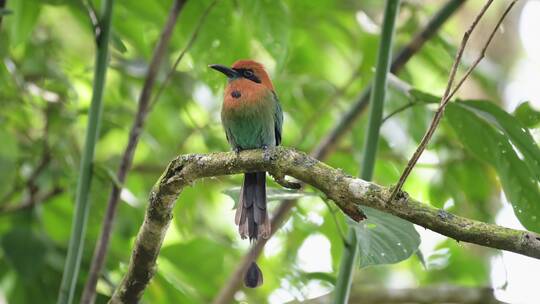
(252, 119)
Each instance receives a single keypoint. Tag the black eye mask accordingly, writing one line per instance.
(248, 74)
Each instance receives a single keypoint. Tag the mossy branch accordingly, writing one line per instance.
(347, 192)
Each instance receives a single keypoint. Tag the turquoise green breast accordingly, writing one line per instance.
(250, 125)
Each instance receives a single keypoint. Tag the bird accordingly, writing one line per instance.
(252, 118)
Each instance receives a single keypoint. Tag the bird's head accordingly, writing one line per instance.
(249, 70)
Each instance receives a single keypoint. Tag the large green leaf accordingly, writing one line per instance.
(512, 128)
(385, 239)
(499, 140)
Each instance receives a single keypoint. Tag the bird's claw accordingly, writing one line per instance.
(266, 154)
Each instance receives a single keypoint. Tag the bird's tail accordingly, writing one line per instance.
(252, 218)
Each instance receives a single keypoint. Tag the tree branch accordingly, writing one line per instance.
(449, 92)
(100, 252)
(31, 201)
(347, 192)
(427, 295)
(188, 46)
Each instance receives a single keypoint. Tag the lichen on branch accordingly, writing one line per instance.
(347, 192)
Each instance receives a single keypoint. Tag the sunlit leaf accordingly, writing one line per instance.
(528, 116)
(23, 19)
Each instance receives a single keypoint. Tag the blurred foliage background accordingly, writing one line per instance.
(321, 54)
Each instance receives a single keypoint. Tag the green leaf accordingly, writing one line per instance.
(117, 43)
(25, 251)
(23, 20)
(272, 194)
(469, 182)
(321, 276)
(519, 136)
(528, 116)
(199, 262)
(270, 23)
(498, 145)
(420, 96)
(8, 161)
(385, 239)
(450, 263)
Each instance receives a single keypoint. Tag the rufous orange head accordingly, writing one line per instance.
(246, 69)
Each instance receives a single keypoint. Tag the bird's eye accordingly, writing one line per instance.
(248, 73)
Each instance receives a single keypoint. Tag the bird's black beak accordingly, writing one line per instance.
(230, 73)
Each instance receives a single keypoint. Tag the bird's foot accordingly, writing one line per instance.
(266, 153)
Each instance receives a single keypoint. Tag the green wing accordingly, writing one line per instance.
(278, 119)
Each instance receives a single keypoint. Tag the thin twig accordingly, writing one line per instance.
(328, 144)
(449, 92)
(427, 294)
(44, 162)
(31, 201)
(399, 110)
(188, 46)
(100, 252)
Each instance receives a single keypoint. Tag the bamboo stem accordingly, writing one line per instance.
(78, 230)
(350, 253)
